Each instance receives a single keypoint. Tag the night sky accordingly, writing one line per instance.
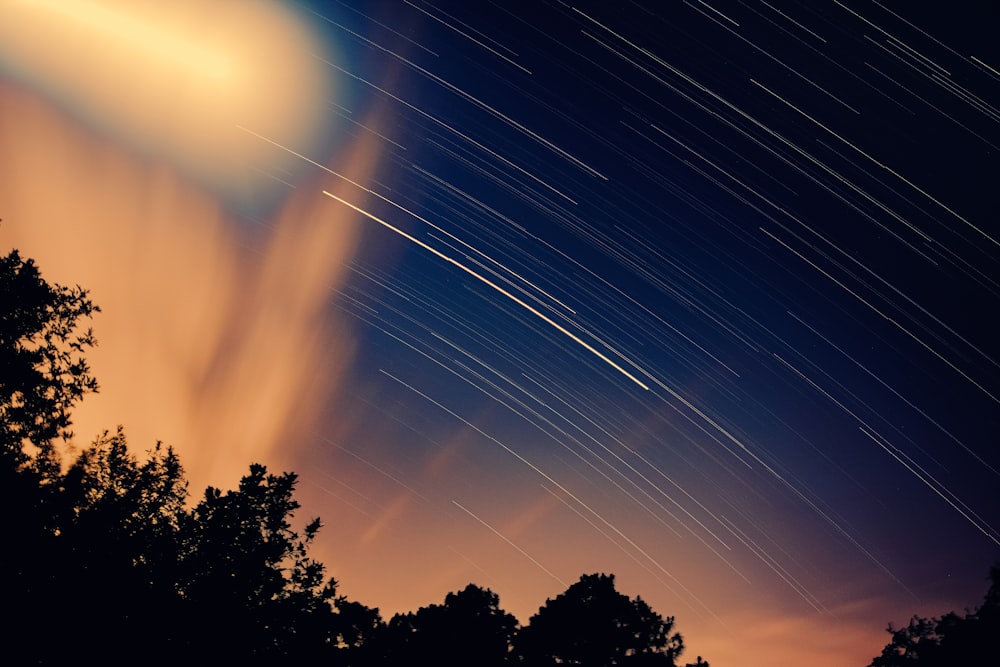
(702, 294)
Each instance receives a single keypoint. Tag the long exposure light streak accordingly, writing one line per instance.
(699, 294)
(531, 309)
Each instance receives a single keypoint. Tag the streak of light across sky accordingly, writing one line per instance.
(699, 293)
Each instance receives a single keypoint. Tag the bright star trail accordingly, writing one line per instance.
(703, 294)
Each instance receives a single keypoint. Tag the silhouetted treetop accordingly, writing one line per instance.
(239, 550)
(950, 640)
(593, 625)
(470, 628)
(43, 372)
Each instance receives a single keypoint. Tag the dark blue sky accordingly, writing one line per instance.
(779, 218)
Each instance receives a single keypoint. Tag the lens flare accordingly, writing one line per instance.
(176, 80)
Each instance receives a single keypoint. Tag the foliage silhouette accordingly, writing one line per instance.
(42, 368)
(950, 639)
(105, 560)
(122, 564)
(43, 373)
(470, 628)
(108, 553)
(359, 634)
(241, 560)
(593, 625)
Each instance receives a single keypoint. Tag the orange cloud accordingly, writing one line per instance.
(214, 337)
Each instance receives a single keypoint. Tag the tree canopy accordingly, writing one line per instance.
(105, 548)
(470, 628)
(108, 560)
(593, 625)
(43, 371)
(949, 640)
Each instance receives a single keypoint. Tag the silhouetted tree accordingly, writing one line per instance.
(592, 624)
(241, 561)
(115, 534)
(470, 628)
(42, 375)
(949, 640)
(105, 562)
(137, 509)
(359, 631)
(43, 372)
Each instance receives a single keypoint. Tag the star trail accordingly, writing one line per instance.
(700, 293)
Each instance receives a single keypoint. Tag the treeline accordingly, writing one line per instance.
(951, 640)
(105, 559)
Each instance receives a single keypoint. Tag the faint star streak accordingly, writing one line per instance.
(508, 541)
(679, 282)
(927, 479)
(884, 316)
(469, 37)
(549, 479)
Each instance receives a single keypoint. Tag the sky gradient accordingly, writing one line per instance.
(701, 294)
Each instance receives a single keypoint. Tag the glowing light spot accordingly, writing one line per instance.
(173, 80)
